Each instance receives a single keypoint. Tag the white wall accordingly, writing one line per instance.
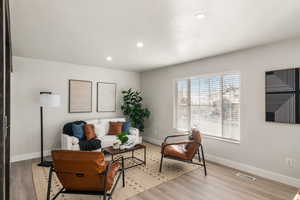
(263, 145)
(31, 76)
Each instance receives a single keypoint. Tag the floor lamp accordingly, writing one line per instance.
(47, 99)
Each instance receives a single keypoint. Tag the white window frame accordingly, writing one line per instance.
(175, 97)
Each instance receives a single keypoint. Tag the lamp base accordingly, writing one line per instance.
(45, 164)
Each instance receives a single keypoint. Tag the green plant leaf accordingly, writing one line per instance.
(132, 108)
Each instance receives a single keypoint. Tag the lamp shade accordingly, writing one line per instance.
(49, 100)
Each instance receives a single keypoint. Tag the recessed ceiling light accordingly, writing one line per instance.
(108, 58)
(140, 45)
(200, 15)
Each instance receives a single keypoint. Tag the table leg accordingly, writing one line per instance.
(112, 157)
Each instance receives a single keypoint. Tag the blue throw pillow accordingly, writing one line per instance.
(78, 131)
(126, 126)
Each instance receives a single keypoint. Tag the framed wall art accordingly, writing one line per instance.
(282, 96)
(80, 96)
(106, 97)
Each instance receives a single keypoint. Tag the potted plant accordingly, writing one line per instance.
(122, 139)
(132, 107)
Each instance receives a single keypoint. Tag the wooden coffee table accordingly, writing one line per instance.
(113, 152)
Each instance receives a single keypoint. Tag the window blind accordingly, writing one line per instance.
(182, 105)
(210, 103)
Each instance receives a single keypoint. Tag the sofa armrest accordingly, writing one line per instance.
(134, 131)
(69, 142)
(136, 134)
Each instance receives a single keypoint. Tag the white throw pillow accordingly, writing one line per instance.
(100, 130)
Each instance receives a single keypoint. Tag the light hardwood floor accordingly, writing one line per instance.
(221, 183)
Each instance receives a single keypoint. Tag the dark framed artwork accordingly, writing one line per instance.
(282, 96)
(106, 97)
(80, 96)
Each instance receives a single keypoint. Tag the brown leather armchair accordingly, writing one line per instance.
(82, 172)
(184, 151)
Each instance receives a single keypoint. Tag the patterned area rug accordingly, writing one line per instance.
(138, 179)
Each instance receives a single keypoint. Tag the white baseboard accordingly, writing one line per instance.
(28, 156)
(244, 167)
(152, 140)
(255, 171)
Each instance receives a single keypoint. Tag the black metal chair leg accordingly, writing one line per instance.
(105, 176)
(199, 157)
(203, 159)
(104, 196)
(161, 162)
(123, 172)
(49, 183)
(123, 177)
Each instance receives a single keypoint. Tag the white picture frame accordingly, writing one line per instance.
(106, 97)
(80, 96)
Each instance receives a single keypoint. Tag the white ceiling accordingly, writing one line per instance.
(87, 31)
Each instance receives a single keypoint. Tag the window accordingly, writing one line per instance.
(210, 103)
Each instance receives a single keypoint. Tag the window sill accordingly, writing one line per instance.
(222, 139)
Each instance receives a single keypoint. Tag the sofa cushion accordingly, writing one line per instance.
(78, 130)
(100, 130)
(108, 140)
(89, 131)
(115, 128)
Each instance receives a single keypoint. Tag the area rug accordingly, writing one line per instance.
(138, 179)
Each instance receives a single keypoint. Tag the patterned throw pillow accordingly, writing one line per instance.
(115, 128)
(89, 131)
(78, 130)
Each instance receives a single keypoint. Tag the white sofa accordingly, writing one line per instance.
(101, 129)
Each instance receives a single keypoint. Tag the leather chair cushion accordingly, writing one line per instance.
(177, 151)
(80, 170)
(196, 135)
(115, 167)
(184, 151)
(193, 148)
(79, 161)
